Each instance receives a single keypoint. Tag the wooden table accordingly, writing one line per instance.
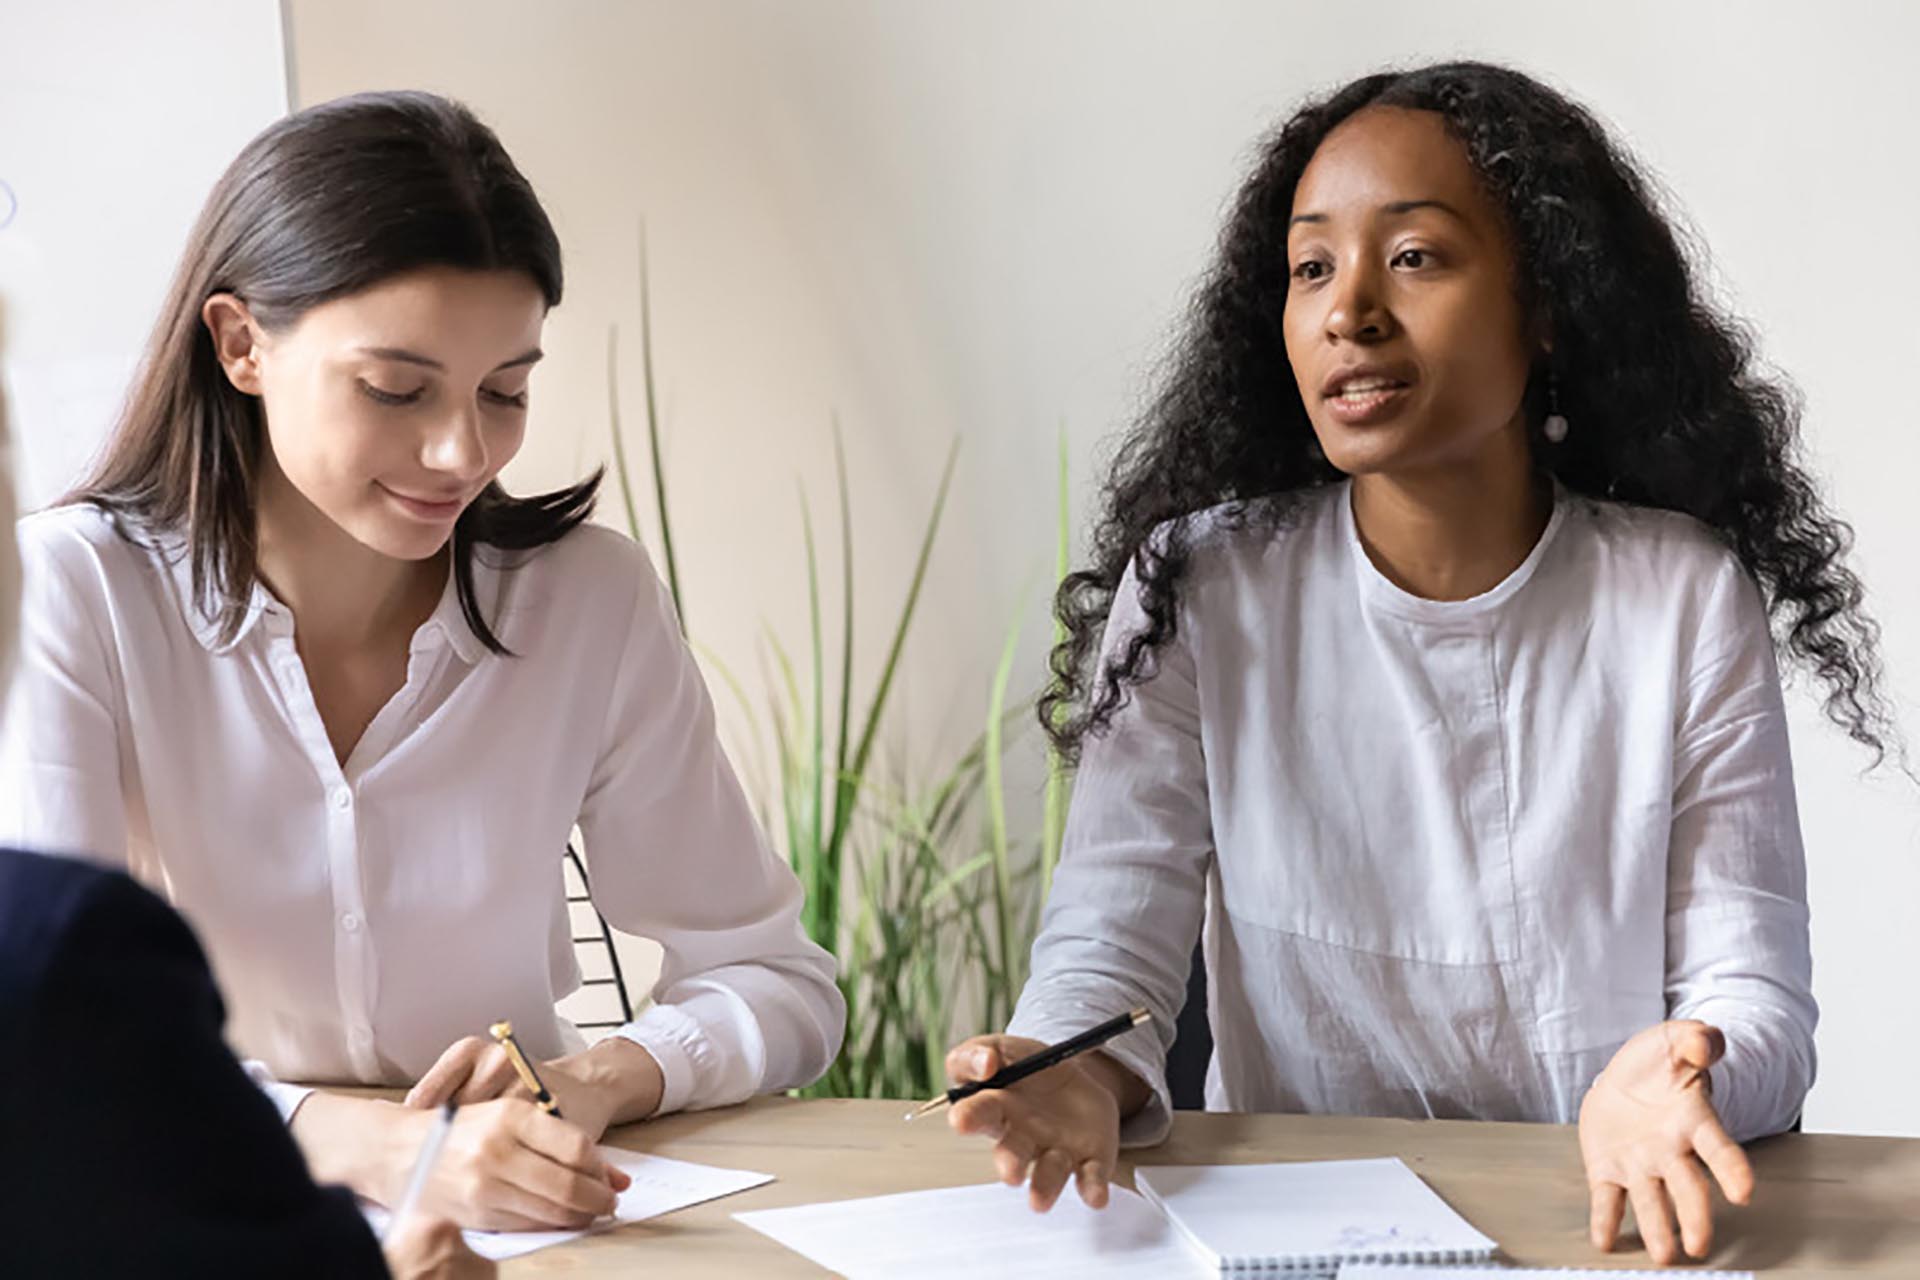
(1826, 1205)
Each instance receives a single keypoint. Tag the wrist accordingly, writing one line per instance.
(623, 1073)
(356, 1142)
(1129, 1092)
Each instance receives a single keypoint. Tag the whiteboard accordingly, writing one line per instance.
(116, 117)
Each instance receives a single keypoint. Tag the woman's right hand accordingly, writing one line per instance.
(425, 1248)
(507, 1166)
(1061, 1123)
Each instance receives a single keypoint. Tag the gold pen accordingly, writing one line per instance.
(503, 1032)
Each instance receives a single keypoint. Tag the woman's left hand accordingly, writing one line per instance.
(614, 1082)
(1646, 1127)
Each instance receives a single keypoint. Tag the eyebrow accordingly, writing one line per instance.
(403, 356)
(1397, 208)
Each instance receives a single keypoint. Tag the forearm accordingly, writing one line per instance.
(746, 1002)
(625, 1074)
(351, 1141)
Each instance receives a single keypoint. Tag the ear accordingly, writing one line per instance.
(235, 340)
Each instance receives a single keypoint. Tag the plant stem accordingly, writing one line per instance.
(849, 780)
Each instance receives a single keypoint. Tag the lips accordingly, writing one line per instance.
(1359, 388)
(437, 506)
(1366, 393)
(1360, 380)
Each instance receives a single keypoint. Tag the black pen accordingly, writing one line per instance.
(1051, 1056)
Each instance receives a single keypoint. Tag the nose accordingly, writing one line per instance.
(455, 446)
(1357, 310)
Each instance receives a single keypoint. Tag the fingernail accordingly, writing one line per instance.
(979, 1059)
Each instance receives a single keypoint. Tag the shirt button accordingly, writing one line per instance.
(350, 922)
(342, 799)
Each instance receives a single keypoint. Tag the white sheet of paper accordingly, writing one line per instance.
(964, 1233)
(1377, 1271)
(660, 1185)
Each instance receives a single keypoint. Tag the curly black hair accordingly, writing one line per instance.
(1672, 409)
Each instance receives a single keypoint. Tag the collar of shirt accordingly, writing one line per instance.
(447, 624)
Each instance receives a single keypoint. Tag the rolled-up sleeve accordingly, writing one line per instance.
(1130, 889)
(745, 1003)
(1738, 954)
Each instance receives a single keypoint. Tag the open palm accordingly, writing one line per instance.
(1647, 1126)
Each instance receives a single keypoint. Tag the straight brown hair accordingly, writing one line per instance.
(326, 202)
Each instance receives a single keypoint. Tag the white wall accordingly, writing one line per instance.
(116, 116)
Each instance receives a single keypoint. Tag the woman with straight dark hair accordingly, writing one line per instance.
(294, 657)
(1424, 664)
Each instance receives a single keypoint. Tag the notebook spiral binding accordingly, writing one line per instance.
(1329, 1265)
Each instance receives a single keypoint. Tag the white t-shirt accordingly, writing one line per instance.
(361, 919)
(1449, 855)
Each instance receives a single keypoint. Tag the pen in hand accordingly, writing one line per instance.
(503, 1033)
(422, 1168)
(1051, 1056)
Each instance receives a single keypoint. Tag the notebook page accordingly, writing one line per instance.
(965, 1233)
(660, 1185)
(1311, 1213)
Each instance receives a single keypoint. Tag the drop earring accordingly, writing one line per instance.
(1555, 427)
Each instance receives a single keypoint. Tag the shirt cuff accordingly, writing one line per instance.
(1751, 1093)
(1720, 1088)
(679, 1044)
(286, 1098)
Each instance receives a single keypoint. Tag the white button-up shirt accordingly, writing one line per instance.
(1449, 855)
(360, 918)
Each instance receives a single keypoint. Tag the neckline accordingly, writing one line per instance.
(447, 622)
(1382, 592)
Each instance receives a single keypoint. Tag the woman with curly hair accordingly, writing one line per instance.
(1440, 588)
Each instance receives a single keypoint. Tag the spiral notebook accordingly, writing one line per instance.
(1310, 1217)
